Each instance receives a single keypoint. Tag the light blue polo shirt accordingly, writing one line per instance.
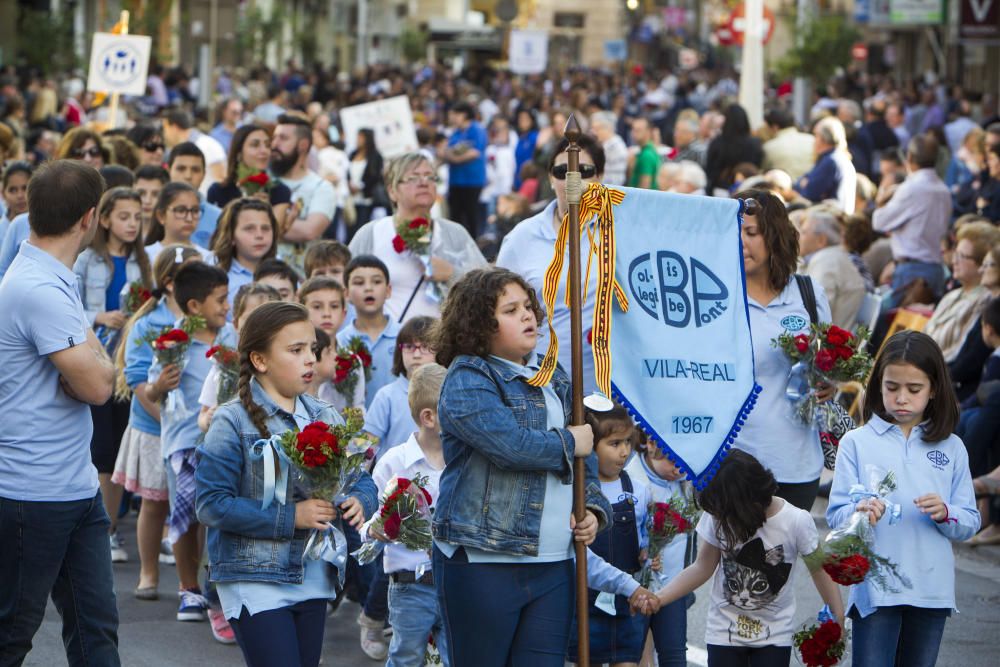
(16, 233)
(771, 433)
(206, 225)
(184, 433)
(138, 359)
(381, 349)
(388, 417)
(239, 276)
(44, 434)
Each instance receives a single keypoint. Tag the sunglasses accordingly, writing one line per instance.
(586, 171)
(90, 152)
(152, 147)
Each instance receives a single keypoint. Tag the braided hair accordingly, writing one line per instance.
(256, 335)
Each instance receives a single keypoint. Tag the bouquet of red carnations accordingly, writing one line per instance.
(352, 368)
(822, 643)
(828, 354)
(170, 346)
(413, 235)
(227, 365)
(664, 522)
(252, 181)
(405, 517)
(849, 551)
(329, 460)
(134, 297)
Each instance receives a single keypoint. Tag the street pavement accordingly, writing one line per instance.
(150, 637)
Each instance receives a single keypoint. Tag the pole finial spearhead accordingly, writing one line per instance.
(572, 130)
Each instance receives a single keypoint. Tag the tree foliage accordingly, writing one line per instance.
(823, 46)
(45, 40)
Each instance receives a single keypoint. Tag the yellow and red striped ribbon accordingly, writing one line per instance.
(599, 201)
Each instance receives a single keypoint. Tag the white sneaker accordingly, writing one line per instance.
(167, 553)
(372, 640)
(118, 553)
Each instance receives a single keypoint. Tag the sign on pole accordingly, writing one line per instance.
(119, 63)
(615, 50)
(916, 12)
(390, 119)
(529, 51)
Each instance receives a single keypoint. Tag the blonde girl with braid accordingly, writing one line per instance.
(139, 465)
(258, 518)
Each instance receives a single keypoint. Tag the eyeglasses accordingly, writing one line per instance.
(152, 146)
(181, 212)
(560, 170)
(414, 347)
(968, 258)
(420, 179)
(81, 153)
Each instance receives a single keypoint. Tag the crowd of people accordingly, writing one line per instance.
(275, 234)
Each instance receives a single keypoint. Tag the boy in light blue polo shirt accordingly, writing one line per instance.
(53, 527)
(201, 291)
(367, 283)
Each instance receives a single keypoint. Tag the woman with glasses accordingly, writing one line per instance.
(150, 142)
(420, 280)
(527, 249)
(175, 218)
(959, 309)
(85, 145)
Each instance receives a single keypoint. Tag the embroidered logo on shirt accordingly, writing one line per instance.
(794, 322)
(938, 458)
(71, 343)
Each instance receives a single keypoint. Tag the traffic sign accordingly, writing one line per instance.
(736, 26)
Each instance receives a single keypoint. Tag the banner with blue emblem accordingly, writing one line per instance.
(671, 329)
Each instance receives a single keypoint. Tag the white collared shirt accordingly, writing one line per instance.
(407, 461)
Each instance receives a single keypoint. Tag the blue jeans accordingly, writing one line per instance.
(60, 548)
(358, 578)
(414, 615)
(669, 628)
(746, 656)
(907, 272)
(499, 614)
(289, 636)
(902, 635)
(377, 603)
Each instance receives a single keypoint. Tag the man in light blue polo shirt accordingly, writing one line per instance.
(53, 527)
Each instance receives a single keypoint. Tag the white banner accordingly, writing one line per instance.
(392, 121)
(119, 63)
(529, 51)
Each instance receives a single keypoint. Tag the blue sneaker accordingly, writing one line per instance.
(193, 606)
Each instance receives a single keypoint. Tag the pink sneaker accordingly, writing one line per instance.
(221, 629)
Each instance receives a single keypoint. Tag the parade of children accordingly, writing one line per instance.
(370, 445)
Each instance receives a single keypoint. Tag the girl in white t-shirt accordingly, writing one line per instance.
(749, 541)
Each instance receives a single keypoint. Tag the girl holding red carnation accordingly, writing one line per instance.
(274, 597)
(910, 412)
(749, 541)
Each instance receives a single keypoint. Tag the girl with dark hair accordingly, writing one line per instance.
(249, 152)
(175, 219)
(246, 236)
(504, 512)
(14, 193)
(735, 145)
(750, 539)
(910, 412)
(149, 139)
(365, 178)
(277, 612)
(779, 302)
(527, 141)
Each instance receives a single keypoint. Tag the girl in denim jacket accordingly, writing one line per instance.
(274, 598)
(503, 527)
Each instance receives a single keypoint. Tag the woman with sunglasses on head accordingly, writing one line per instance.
(419, 281)
(527, 249)
(85, 145)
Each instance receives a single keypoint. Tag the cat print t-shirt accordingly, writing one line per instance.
(753, 599)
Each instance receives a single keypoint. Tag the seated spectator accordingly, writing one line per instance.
(965, 369)
(690, 179)
(968, 161)
(667, 176)
(858, 238)
(980, 422)
(958, 310)
(833, 176)
(827, 262)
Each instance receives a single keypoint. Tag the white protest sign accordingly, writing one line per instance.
(392, 121)
(119, 63)
(529, 51)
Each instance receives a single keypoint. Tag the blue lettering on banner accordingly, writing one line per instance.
(794, 322)
(661, 289)
(688, 370)
(938, 458)
(692, 424)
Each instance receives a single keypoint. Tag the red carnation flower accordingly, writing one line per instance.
(417, 223)
(825, 360)
(848, 570)
(844, 352)
(802, 342)
(398, 244)
(837, 336)
(260, 178)
(366, 359)
(828, 632)
(212, 350)
(392, 525)
(170, 339)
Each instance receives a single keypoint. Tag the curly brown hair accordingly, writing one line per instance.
(780, 237)
(468, 317)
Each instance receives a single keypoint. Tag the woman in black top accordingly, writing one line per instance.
(249, 152)
(734, 145)
(365, 178)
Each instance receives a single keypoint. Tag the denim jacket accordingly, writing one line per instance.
(246, 542)
(498, 451)
(94, 277)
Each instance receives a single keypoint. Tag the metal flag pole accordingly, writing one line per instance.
(574, 191)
